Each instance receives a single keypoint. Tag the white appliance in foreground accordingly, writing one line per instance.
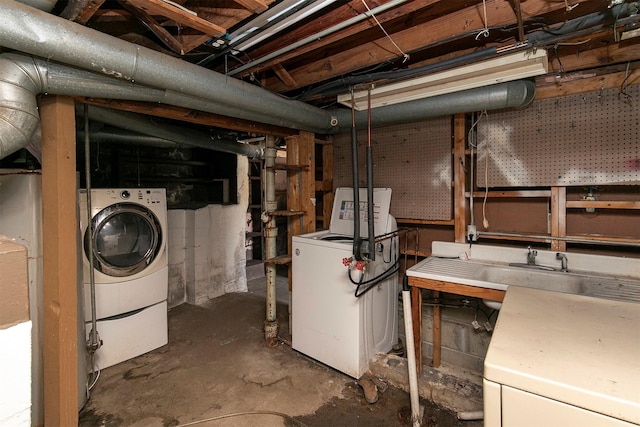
(129, 245)
(557, 359)
(329, 323)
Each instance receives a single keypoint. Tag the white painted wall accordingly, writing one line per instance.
(15, 370)
(207, 255)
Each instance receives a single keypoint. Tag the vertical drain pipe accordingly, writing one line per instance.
(414, 392)
(271, 232)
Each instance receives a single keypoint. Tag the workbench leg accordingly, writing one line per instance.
(416, 317)
(436, 330)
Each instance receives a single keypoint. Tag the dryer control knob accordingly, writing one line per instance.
(125, 194)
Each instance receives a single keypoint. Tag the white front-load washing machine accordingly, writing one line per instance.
(127, 238)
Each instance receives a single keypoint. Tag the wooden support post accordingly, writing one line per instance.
(416, 318)
(59, 261)
(307, 159)
(437, 331)
(327, 179)
(459, 178)
(558, 217)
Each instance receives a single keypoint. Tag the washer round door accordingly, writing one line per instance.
(126, 239)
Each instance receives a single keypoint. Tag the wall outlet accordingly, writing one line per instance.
(472, 233)
(590, 197)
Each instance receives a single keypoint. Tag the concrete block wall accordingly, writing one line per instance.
(206, 247)
(462, 344)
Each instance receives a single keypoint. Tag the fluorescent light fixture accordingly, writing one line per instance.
(501, 69)
(280, 26)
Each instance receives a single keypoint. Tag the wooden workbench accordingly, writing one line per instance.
(437, 286)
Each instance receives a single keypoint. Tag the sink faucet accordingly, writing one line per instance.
(531, 256)
(563, 261)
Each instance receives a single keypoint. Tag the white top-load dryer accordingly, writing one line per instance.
(329, 323)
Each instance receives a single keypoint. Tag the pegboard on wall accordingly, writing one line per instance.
(585, 139)
(414, 160)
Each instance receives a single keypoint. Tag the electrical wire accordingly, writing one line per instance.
(485, 31)
(485, 221)
(371, 283)
(241, 414)
(404, 55)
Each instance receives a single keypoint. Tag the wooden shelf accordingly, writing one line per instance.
(499, 236)
(602, 204)
(279, 260)
(286, 213)
(284, 166)
(603, 239)
(425, 221)
(510, 194)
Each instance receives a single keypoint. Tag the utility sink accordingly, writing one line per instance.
(501, 276)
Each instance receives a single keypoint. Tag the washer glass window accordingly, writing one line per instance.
(126, 239)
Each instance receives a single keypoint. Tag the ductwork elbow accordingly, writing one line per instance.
(20, 82)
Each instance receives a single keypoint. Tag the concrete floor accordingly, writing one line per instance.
(216, 365)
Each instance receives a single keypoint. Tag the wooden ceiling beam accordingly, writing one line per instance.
(368, 54)
(586, 81)
(184, 18)
(284, 76)
(254, 6)
(189, 116)
(153, 25)
(348, 11)
(613, 53)
(81, 11)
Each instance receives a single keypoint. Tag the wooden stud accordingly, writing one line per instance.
(459, 178)
(558, 217)
(327, 178)
(437, 332)
(59, 261)
(306, 157)
(416, 318)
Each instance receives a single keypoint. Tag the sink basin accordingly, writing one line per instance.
(501, 276)
(532, 266)
(533, 278)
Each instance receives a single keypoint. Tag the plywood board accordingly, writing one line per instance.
(584, 139)
(414, 160)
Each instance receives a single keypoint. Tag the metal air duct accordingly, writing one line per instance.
(122, 70)
(180, 135)
(47, 36)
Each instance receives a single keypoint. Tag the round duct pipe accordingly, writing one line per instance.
(177, 134)
(515, 94)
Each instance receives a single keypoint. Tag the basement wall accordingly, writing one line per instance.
(207, 248)
(422, 188)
